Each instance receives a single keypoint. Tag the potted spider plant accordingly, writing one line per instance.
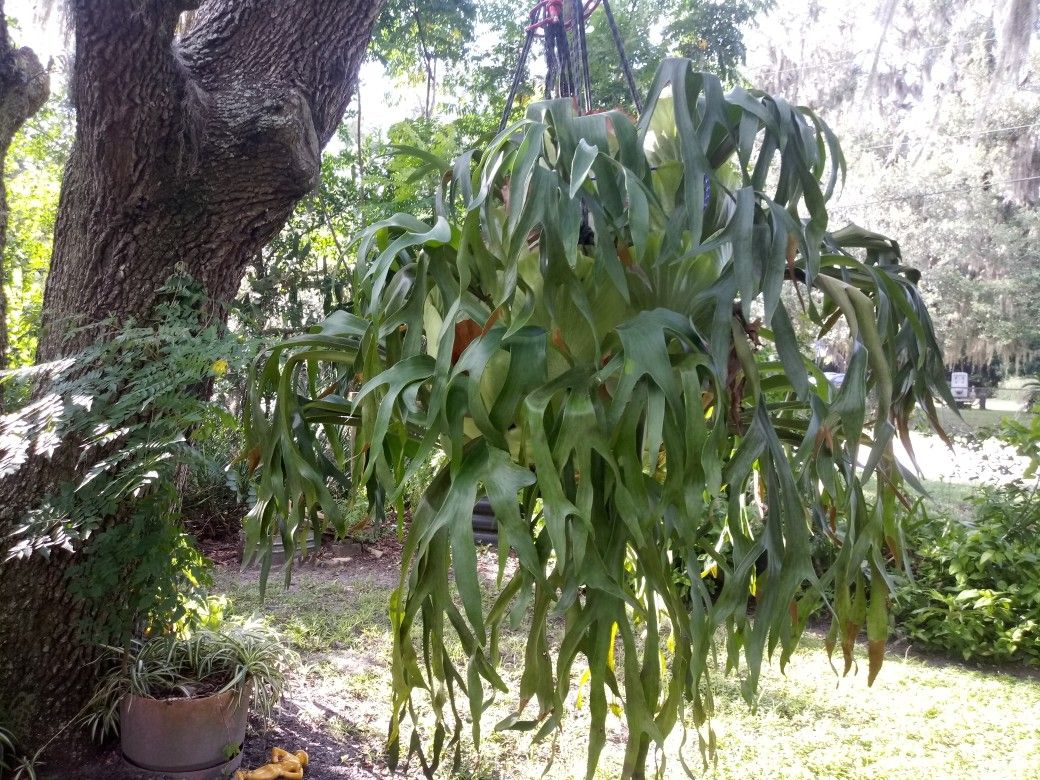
(180, 703)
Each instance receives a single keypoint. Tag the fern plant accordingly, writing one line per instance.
(598, 329)
(131, 403)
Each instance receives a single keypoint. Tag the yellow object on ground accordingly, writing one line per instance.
(284, 766)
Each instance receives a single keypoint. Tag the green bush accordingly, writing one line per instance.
(976, 585)
(1024, 436)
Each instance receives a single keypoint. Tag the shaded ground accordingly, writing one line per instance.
(331, 756)
(355, 580)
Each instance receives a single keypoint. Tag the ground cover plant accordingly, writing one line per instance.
(12, 762)
(594, 329)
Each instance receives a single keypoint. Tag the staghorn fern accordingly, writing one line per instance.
(595, 330)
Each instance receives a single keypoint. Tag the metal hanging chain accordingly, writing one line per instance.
(582, 53)
(553, 62)
(567, 76)
(616, 33)
(518, 76)
(556, 33)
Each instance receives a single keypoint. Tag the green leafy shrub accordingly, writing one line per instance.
(976, 585)
(136, 405)
(1024, 436)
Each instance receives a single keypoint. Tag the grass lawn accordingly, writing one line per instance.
(921, 719)
(970, 420)
(947, 498)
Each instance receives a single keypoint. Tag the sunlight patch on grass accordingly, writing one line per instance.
(918, 720)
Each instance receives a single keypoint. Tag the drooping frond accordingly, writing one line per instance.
(599, 331)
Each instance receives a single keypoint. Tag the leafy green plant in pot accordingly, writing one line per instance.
(596, 328)
(180, 703)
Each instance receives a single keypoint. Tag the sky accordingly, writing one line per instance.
(384, 100)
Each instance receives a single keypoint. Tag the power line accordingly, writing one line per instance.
(856, 59)
(914, 195)
(944, 137)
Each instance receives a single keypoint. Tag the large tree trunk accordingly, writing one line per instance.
(189, 150)
(24, 86)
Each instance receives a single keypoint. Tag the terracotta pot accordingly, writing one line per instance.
(185, 737)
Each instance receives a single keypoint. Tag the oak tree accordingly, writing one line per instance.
(198, 128)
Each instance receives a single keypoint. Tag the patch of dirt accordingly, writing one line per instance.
(356, 557)
(330, 758)
(379, 561)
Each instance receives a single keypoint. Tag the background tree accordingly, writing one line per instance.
(36, 159)
(710, 33)
(939, 105)
(24, 86)
(191, 151)
(422, 39)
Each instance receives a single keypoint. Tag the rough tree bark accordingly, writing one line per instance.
(189, 149)
(24, 86)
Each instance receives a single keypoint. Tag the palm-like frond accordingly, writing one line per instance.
(599, 331)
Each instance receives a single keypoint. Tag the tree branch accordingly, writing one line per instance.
(120, 41)
(192, 150)
(311, 46)
(125, 72)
